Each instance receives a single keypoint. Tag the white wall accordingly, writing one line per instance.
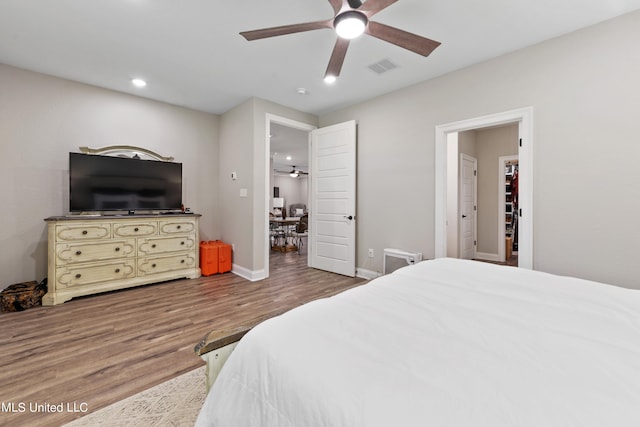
(294, 190)
(43, 118)
(452, 194)
(582, 88)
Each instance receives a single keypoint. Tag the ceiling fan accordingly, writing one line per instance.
(352, 18)
(293, 173)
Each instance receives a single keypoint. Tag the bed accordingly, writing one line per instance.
(444, 342)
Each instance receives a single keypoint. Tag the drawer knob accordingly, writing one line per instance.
(178, 227)
(136, 229)
(78, 252)
(117, 249)
(182, 262)
(153, 266)
(84, 231)
(182, 243)
(153, 246)
(78, 276)
(117, 270)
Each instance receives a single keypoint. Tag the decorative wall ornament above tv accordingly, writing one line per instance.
(128, 151)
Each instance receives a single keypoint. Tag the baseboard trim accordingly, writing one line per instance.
(367, 274)
(254, 276)
(487, 256)
(245, 273)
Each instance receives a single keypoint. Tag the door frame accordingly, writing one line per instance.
(524, 118)
(272, 118)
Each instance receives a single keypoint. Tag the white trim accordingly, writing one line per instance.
(524, 118)
(245, 273)
(485, 256)
(367, 274)
(272, 118)
(502, 162)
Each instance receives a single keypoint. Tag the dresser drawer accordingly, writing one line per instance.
(90, 231)
(177, 226)
(68, 253)
(159, 245)
(135, 230)
(81, 275)
(154, 265)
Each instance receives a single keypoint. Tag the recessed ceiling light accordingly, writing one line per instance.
(288, 157)
(302, 91)
(138, 82)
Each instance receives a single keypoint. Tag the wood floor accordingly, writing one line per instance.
(100, 349)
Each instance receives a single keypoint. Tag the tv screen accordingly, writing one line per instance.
(104, 183)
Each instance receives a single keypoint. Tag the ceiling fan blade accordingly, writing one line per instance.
(286, 29)
(337, 57)
(413, 42)
(337, 5)
(371, 7)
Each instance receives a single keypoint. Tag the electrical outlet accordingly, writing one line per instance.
(370, 253)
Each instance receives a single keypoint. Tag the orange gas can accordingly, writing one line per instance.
(224, 256)
(208, 258)
(215, 257)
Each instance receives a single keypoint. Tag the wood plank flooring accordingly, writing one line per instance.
(100, 349)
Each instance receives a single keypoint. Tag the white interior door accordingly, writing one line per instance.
(332, 218)
(467, 220)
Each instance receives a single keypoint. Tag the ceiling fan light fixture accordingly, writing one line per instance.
(293, 174)
(350, 24)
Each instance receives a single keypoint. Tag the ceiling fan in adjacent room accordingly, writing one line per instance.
(293, 173)
(352, 18)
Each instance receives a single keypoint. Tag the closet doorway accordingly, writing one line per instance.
(508, 171)
(489, 229)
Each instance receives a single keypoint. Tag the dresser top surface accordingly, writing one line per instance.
(120, 216)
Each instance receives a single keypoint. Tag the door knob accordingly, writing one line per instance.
(464, 216)
(350, 217)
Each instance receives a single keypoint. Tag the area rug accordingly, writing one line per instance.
(173, 403)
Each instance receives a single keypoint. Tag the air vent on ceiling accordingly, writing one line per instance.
(383, 66)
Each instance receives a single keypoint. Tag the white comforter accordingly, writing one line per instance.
(441, 343)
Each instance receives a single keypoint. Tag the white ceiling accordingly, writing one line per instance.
(191, 54)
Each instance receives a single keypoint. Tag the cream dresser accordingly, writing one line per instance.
(88, 255)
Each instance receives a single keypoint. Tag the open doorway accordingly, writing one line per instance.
(474, 179)
(289, 153)
(287, 182)
(522, 120)
(508, 174)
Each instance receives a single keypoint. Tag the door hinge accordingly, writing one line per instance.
(520, 212)
(475, 243)
(475, 173)
(475, 208)
(520, 142)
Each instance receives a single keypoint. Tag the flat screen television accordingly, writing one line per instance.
(106, 183)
